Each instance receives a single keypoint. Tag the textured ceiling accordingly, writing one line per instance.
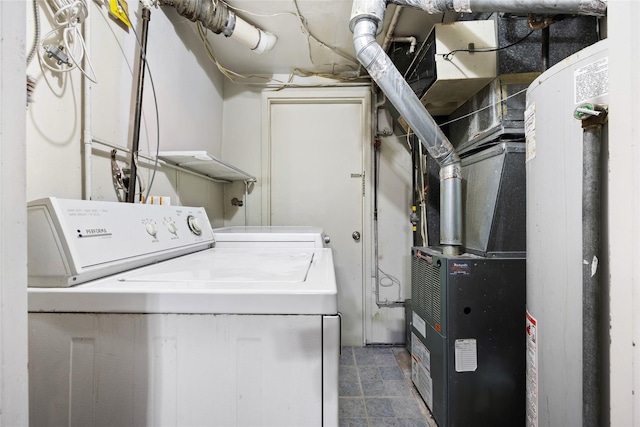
(322, 45)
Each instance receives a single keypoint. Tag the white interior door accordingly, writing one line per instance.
(314, 173)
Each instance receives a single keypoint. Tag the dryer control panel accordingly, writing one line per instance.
(73, 241)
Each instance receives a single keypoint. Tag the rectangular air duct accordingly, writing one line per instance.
(454, 71)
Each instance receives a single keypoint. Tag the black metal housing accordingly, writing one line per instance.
(471, 298)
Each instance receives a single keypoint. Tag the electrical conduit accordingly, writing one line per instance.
(137, 119)
(87, 137)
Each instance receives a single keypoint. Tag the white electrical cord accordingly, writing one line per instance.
(66, 48)
(387, 281)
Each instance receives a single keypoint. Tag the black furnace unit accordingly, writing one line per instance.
(468, 311)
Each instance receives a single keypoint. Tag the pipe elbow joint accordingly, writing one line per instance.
(254, 38)
(451, 171)
(372, 10)
(267, 42)
(450, 159)
(364, 42)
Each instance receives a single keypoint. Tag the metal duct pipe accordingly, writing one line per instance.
(217, 17)
(545, 48)
(553, 7)
(367, 17)
(400, 94)
(392, 28)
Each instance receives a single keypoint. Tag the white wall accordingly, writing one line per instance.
(241, 136)
(624, 211)
(13, 255)
(242, 133)
(189, 97)
(394, 238)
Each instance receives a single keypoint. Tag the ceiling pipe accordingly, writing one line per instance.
(217, 17)
(552, 7)
(392, 27)
(407, 39)
(367, 18)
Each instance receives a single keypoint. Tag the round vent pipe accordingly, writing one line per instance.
(217, 17)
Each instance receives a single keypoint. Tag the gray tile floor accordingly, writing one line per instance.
(376, 389)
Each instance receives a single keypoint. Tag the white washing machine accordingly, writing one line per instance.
(135, 319)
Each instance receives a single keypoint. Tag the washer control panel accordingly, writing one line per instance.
(81, 236)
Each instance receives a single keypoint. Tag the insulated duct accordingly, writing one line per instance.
(367, 17)
(551, 7)
(217, 17)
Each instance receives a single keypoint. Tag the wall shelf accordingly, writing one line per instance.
(204, 163)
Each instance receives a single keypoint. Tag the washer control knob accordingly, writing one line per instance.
(152, 228)
(194, 225)
(172, 227)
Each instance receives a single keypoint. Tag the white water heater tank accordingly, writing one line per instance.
(554, 235)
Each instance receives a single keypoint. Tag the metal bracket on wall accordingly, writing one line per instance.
(118, 178)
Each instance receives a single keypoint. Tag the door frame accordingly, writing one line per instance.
(360, 95)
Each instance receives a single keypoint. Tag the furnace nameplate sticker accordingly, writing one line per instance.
(466, 355)
(419, 324)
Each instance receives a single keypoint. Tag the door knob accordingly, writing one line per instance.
(355, 235)
(327, 240)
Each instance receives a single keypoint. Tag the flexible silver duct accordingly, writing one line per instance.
(217, 17)
(367, 17)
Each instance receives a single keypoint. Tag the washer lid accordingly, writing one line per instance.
(256, 266)
(215, 281)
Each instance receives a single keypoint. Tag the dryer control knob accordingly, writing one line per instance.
(172, 227)
(194, 225)
(152, 228)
